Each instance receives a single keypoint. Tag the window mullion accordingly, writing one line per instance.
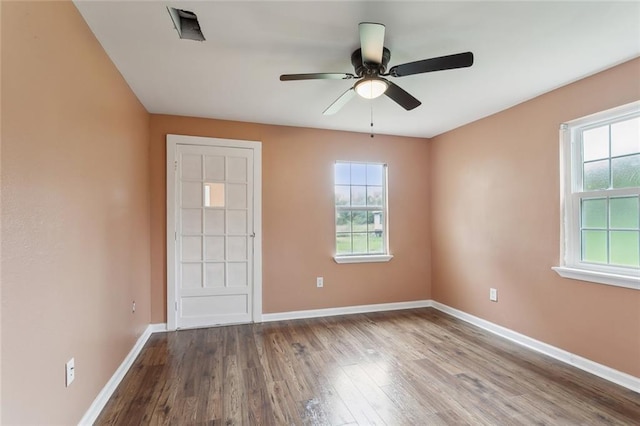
(360, 208)
(574, 225)
(608, 193)
(610, 166)
(608, 224)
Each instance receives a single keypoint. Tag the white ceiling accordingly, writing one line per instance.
(521, 49)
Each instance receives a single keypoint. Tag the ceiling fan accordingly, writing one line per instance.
(370, 64)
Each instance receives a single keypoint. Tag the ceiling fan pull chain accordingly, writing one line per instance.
(371, 103)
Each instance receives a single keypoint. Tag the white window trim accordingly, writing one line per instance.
(571, 265)
(363, 257)
(598, 277)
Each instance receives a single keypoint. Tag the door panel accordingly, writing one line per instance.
(214, 222)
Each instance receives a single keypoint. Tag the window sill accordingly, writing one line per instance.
(626, 281)
(363, 258)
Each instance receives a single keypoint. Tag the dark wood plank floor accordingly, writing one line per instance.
(414, 367)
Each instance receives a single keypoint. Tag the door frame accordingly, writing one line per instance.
(171, 166)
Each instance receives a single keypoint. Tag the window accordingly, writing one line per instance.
(601, 197)
(361, 212)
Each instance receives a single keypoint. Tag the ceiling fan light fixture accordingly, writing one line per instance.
(371, 88)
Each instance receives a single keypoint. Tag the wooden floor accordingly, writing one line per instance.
(415, 367)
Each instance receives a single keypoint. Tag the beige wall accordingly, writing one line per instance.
(298, 214)
(495, 221)
(75, 214)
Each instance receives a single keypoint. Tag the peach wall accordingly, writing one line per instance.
(75, 214)
(0, 219)
(495, 222)
(298, 214)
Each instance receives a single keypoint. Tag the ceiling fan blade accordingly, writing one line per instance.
(459, 60)
(401, 97)
(340, 102)
(316, 76)
(371, 42)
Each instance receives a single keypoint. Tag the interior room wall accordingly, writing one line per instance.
(75, 214)
(82, 179)
(298, 214)
(495, 222)
(0, 220)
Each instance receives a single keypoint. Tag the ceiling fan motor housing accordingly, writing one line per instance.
(364, 69)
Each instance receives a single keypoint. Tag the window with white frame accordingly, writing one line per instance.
(601, 197)
(361, 212)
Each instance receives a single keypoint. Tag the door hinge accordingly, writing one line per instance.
(175, 236)
(176, 305)
(175, 165)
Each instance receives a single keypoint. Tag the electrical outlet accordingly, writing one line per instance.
(70, 368)
(493, 294)
(319, 282)
(133, 307)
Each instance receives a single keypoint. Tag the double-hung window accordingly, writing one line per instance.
(601, 197)
(361, 212)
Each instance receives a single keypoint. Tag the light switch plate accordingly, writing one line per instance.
(70, 368)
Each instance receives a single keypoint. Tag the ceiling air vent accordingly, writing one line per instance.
(186, 23)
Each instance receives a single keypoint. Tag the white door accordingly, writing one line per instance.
(214, 235)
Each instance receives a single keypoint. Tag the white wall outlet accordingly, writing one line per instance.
(319, 282)
(493, 294)
(70, 368)
(133, 307)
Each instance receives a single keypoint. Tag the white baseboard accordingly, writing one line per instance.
(346, 310)
(103, 397)
(157, 328)
(623, 379)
